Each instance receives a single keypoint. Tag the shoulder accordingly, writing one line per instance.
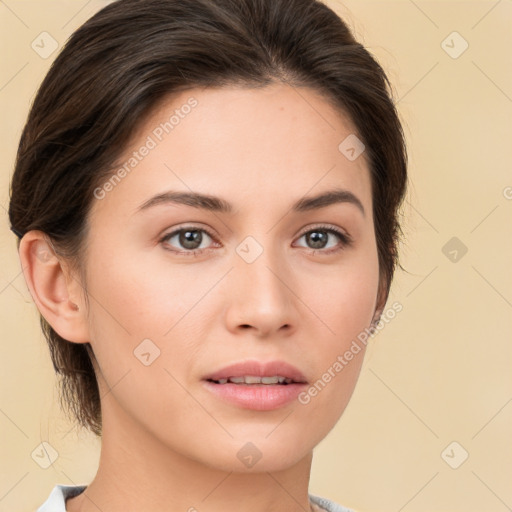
(56, 502)
(328, 505)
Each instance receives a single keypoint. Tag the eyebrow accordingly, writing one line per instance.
(217, 204)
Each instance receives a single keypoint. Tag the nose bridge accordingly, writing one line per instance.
(260, 294)
(258, 263)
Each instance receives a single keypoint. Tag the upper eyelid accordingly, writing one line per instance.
(325, 227)
(341, 233)
(189, 227)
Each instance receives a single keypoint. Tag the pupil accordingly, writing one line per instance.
(318, 239)
(190, 239)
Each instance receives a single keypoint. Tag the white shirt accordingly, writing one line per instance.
(56, 502)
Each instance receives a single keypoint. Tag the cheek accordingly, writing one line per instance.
(344, 304)
(344, 299)
(142, 335)
(146, 297)
(135, 300)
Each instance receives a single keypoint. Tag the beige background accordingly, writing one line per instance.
(439, 372)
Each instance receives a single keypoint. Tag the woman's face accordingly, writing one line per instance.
(259, 280)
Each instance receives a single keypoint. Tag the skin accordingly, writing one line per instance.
(168, 443)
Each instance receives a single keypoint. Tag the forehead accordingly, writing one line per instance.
(253, 146)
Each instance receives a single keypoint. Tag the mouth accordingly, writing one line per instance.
(258, 373)
(257, 385)
(254, 380)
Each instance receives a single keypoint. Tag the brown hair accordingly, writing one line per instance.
(130, 56)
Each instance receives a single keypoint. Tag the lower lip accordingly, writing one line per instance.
(259, 397)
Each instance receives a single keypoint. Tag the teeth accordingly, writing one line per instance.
(269, 380)
(249, 379)
(252, 379)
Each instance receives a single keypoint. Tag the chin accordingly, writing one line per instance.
(258, 453)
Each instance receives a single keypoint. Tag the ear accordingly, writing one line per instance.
(55, 291)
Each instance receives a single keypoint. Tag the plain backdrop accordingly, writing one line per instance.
(428, 427)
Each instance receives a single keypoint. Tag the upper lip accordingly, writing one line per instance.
(258, 369)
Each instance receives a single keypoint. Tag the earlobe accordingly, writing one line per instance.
(382, 298)
(55, 292)
(376, 317)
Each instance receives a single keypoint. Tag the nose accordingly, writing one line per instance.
(260, 297)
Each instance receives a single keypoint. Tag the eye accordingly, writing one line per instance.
(191, 240)
(188, 240)
(321, 238)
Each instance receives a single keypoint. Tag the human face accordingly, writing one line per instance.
(266, 282)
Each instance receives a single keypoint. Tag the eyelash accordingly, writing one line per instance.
(345, 240)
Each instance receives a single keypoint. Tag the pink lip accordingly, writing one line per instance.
(259, 397)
